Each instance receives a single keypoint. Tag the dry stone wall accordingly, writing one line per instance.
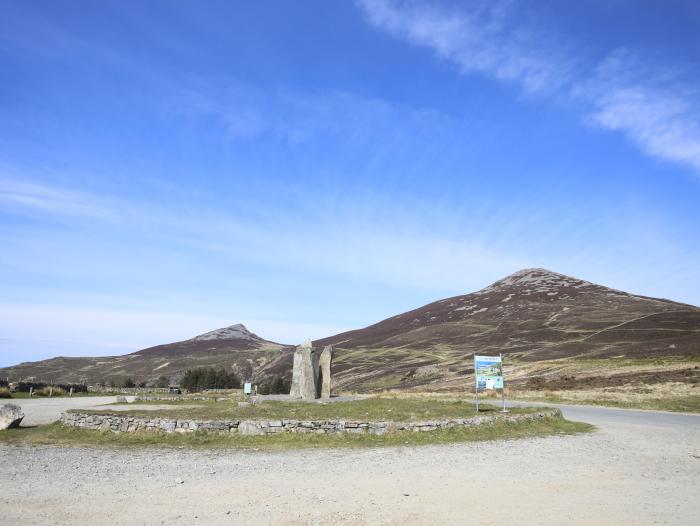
(181, 398)
(128, 424)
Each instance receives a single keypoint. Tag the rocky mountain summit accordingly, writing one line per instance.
(233, 332)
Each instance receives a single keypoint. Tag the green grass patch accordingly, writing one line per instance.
(687, 404)
(57, 435)
(370, 409)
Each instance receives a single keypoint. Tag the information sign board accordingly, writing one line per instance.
(488, 371)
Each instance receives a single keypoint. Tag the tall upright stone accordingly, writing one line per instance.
(305, 372)
(311, 373)
(325, 366)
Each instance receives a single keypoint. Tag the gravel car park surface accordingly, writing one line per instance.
(39, 411)
(643, 469)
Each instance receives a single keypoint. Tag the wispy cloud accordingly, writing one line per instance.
(651, 105)
(397, 248)
(655, 109)
(486, 38)
(26, 197)
(295, 118)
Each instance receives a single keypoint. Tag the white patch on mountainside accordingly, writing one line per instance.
(161, 366)
(536, 280)
(234, 332)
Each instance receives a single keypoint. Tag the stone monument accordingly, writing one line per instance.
(311, 372)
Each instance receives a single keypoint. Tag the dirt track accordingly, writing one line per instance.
(638, 470)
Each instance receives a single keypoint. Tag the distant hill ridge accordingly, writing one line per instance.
(533, 314)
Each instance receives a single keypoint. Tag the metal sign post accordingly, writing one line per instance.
(476, 384)
(503, 390)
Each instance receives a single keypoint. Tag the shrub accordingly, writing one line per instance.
(163, 381)
(3, 383)
(49, 391)
(5, 392)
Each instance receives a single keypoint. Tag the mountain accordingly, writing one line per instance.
(540, 320)
(233, 347)
(534, 315)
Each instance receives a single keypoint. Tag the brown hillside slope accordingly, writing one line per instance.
(532, 315)
(233, 348)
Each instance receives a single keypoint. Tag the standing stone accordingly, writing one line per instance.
(325, 366)
(10, 416)
(305, 373)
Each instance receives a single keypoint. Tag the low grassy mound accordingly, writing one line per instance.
(368, 409)
(58, 435)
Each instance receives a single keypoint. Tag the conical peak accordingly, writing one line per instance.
(539, 279)
(237, 331)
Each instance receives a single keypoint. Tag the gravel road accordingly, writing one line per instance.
(46, 410)
(639, 469)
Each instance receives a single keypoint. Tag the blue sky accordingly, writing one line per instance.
(307, 167)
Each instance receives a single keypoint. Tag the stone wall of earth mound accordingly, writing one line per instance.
(128, 424)
(181, 399)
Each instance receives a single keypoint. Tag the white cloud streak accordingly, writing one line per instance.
(372, 241)
(243, 112)
(655, 109)
(483, 39)
(659, 113)
(21, 196)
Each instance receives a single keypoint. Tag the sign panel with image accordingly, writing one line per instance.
(488, 371)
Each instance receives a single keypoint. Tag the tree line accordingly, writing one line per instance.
(209, 378)
(196, 380)
(277, 385)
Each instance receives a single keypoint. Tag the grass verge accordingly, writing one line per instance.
(57, 435)
(687, 404)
